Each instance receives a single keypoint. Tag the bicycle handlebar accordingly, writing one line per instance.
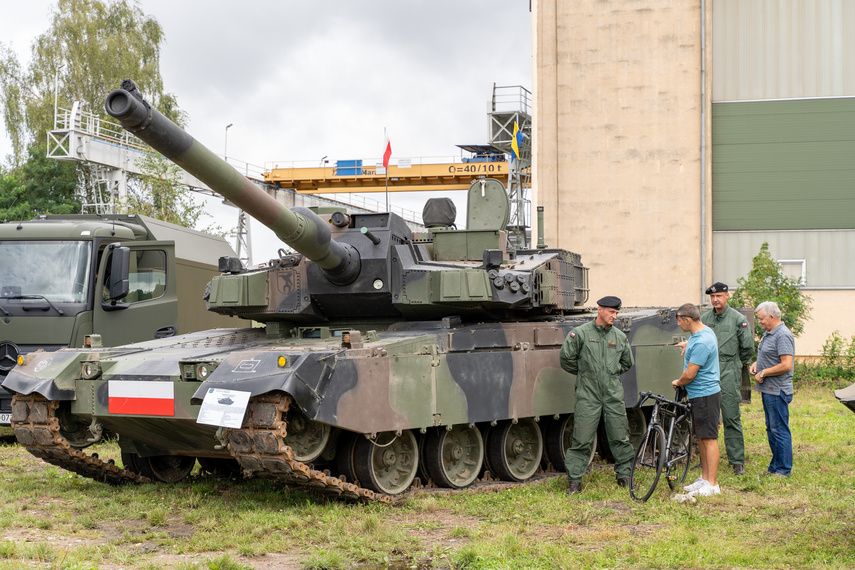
(678, 395)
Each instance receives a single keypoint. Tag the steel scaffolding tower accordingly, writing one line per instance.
(510, 107)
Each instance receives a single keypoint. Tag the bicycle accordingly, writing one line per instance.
(656, 451)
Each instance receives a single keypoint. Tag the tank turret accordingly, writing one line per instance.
(390, 272)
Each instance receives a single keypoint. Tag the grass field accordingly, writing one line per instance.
(50, 518)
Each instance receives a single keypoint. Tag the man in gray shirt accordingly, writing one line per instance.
(773, 373)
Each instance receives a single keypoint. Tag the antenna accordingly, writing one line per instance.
(6, 217)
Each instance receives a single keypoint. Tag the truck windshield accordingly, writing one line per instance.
(54, 270)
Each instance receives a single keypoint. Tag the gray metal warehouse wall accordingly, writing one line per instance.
(784, 164)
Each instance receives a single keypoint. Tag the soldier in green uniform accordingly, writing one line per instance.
(735, 349)
(598, 353)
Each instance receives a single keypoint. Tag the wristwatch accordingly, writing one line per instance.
(762, 374)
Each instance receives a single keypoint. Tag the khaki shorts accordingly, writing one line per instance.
(706, 412)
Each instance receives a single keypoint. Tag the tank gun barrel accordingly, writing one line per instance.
(300, 228)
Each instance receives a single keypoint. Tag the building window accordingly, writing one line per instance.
(794, 269)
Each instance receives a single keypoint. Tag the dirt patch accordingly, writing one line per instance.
(439, 529)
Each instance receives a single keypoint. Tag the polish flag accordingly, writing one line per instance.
(388, 153)
(137, 398)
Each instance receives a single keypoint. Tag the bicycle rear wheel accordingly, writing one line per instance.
(679, 453)
(648, 463)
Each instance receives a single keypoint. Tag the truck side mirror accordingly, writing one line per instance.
(120, 263)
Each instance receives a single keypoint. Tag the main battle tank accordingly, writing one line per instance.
(385, 355)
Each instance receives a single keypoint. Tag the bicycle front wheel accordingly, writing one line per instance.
(679, 453)
(648, 463)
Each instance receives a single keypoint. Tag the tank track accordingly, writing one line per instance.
(260, 448)
(37, 428)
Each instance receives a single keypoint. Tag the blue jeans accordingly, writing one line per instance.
(777, 410)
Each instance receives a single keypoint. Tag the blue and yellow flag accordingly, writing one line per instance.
(516, 142)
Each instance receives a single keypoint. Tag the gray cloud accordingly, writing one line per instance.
(301, 80)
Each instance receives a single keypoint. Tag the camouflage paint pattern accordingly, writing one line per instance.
(392, 380)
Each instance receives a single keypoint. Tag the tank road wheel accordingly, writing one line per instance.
(165, 468)
(422, 472)
(453, 458)
(557, 439)
(220, 467)
(76, 432)
(306, 438)
(514, 449)
(637, 426)
(344, 456)
(129, 460)
(386, 467)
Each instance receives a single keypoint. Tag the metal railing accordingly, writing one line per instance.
(93, 125)
(511, 99)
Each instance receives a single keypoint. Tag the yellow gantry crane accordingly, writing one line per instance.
(354, 176)
(510, 132)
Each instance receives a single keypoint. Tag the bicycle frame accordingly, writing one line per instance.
(672, 454)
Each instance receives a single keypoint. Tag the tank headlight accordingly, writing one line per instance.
(202, 371)
(378, 284)
(282, 361)
(90, 370)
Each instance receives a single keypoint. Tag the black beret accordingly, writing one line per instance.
(717, 287)
(609, 301)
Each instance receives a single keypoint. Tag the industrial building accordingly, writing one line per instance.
(673, 138)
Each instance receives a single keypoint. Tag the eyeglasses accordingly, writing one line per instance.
(682, 316)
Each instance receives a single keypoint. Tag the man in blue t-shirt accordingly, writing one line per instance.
(703, 383)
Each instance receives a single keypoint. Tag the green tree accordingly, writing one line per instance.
(158, 193)
(766, 282)
(40, 186)
(90, 47)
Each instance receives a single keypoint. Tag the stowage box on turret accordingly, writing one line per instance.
(386, 355)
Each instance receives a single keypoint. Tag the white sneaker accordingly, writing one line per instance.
(707, 490)
(699, 482)
(684, 498)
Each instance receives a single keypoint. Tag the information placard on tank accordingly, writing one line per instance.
(223, 408)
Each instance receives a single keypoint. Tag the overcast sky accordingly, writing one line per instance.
(303, 80)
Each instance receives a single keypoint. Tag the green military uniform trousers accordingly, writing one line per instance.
(597, 356)
(731, 415)
(601, 397)
(735, 347)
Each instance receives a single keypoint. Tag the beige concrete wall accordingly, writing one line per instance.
(617, 145)
(831, 310)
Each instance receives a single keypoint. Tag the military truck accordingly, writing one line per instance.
(387, 356)
(56, 277)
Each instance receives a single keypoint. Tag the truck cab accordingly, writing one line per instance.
(57, 273)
